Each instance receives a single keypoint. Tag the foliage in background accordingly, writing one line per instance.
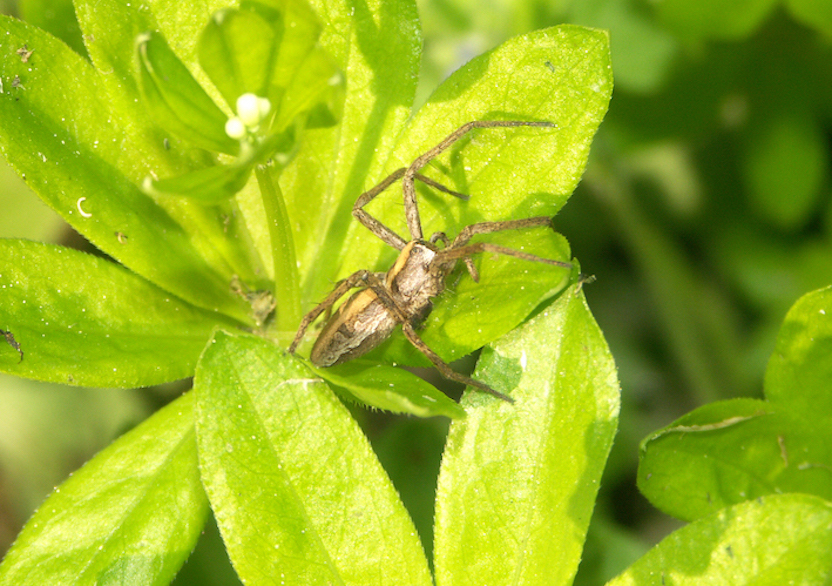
(705, 213)
(227, 191)
(708, 196)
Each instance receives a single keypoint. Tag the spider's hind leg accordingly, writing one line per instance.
(443, 367)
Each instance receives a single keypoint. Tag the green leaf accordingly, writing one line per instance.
(131, 515)
(779, 539)
(815, 13)
(56, 17)
(176, 100)
(377, 44)
(518, 482)
(785, 167)
(316, 83)
(83, 320)
(800, 367)
(389, 388)
(560, 75)
(720, 454)
(208, 186)
(716, 19)
(76, 167)
(732, 451)
(298, 493)
(237, 50)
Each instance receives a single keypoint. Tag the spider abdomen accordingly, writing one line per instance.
(358, 326)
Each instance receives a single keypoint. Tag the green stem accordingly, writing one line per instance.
(286, 281)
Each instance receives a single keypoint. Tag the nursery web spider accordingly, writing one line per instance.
(402, 295)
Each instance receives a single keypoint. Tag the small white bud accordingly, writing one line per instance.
(235, 128)
(264, 106)
(248, 109)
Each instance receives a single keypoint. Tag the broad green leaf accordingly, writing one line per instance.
(175, 99)
(61, 132)
(518, 482)
(779, 539)
(83, 320)
(389, 388)
(131, 515)
(298, 493)
(728, 452)
(714, 19)
(560, 75)
(720, 454)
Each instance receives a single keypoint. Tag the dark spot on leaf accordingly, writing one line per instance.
(12, 342)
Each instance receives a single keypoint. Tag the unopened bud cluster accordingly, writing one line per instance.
(251, 111)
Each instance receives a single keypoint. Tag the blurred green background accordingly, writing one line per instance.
(705, 212)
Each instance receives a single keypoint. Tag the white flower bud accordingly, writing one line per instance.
(235, 128)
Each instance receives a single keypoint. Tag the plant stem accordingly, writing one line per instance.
(286, 281)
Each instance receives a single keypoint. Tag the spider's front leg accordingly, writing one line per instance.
(351, 282)
(472, 230)
(379, 229)
(411, 209)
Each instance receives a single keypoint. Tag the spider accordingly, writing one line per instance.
(402, 295)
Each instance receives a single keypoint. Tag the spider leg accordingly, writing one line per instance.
(436, 185)
(351, 282)
(376, 227)
(411, 209)
(459, 248)
(373, 225)
(454, 254)
(469, 264)
(443, 367)
(489, 227)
